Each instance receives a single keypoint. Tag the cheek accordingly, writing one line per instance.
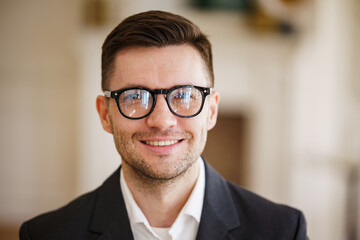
(124, 126)
(197, 125)
(201, 134)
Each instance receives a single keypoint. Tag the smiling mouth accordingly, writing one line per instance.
(161, 143)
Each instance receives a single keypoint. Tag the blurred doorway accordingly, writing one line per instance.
(226, 148)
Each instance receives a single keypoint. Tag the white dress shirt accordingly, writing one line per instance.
(186, 224)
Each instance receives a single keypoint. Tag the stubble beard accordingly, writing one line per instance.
(170, 170)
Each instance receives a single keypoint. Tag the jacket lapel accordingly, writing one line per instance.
(110, 218)
(218, 219)
(219, 216)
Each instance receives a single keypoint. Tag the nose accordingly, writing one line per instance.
(161, 117)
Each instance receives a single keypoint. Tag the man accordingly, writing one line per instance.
(158, 103)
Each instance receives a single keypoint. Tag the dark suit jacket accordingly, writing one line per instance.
(229, 212)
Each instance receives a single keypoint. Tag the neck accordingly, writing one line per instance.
(161, 200)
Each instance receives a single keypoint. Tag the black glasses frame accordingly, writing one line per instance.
(116, 94)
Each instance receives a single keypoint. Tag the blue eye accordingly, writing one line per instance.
(135, 96)
(182, 94)
(179, 95)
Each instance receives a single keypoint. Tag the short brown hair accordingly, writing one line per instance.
(153, 28)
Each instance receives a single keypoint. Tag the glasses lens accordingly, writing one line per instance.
(186, 101)
(135, 103)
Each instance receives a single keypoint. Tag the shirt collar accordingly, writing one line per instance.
(194, 204)
(134, 212)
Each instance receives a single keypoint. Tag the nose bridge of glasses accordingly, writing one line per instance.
(165, 92)
(161, 114)
(163, 98)
(161, 91)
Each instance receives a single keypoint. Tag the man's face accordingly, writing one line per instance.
(136, 140)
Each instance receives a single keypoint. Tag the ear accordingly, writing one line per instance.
(213, 113)
(103, 110)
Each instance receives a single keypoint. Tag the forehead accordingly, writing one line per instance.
(159, 67)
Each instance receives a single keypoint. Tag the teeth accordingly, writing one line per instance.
(161, 143)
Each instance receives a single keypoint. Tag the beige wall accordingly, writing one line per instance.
(38, 87)
(325, 129)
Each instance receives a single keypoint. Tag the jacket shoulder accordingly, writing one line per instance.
(74, 217)
(272, 218)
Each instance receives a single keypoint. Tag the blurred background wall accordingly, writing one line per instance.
(287, 72)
